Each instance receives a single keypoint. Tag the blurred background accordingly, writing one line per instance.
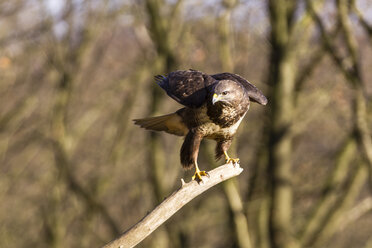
(76, 172)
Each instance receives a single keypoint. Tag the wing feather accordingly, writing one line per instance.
(189, 88)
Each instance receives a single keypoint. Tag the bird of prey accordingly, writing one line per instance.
(214, 107)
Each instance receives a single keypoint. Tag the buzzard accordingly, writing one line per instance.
(214, 107)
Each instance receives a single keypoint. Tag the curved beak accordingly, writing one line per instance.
(215, 98)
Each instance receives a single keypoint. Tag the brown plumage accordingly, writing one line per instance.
(214, 107)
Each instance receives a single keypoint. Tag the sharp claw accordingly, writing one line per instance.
(233, 160)
(199, 174)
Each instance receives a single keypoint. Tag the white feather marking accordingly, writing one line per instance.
(235, 126)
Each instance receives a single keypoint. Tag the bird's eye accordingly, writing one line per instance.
(225, 93)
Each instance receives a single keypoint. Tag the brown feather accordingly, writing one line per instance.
(190, 149)
(171, 123)
(189, 88)
(221, 147)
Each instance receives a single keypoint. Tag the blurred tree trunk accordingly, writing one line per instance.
(324, 224)
(281, 80)
(271, 178)
(61, 148)
(230, 187)
(363, 134)
(258, 200)
(60, 139)
(225, 35)
(165, 63)
(350, 66)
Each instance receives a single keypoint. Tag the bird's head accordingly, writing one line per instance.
(227, 91)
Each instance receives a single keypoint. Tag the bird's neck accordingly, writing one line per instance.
(225, 114)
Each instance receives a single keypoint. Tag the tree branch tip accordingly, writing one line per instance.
(182, 182)
(235, 165)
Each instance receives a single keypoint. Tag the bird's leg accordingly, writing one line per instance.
(198, 173)
(189, 154)
(229, 160)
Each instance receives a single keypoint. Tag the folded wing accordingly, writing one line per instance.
(189, 88)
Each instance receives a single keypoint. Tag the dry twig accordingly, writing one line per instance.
(171, 205)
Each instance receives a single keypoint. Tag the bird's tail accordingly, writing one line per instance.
(171, 123)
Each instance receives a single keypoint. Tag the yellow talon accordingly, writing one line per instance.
(198, 174)
(229, 160)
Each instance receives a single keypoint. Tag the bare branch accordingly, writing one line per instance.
(367, 27)
(63, 165)
(331, 191)
(350, 40)
(334, 217)
(356, 212)
(171, 205)
(360, 106)
(314, 60)
(329, 44)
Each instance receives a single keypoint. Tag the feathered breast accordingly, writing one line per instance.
(226, 115)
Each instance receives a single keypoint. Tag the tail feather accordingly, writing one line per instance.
(152, 123)
(171, 123)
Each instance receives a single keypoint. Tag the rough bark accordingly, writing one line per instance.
(282, 79)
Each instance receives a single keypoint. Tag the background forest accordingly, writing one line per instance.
(76, 172)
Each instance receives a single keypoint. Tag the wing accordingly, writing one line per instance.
(253, 93)
(190, 88)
